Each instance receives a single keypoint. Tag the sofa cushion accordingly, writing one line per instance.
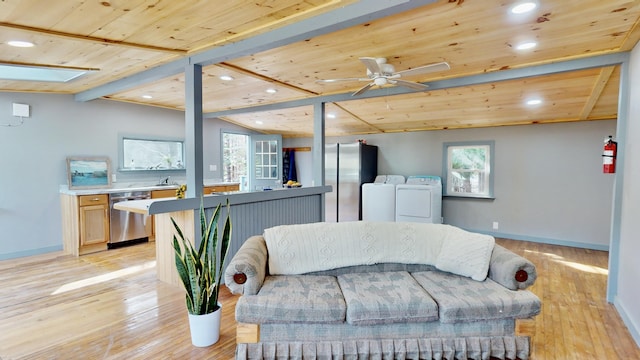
(466, 253)
(462, 299)
(385, 298)
(294, 298)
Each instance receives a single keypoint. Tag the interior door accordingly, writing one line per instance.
(265, 162)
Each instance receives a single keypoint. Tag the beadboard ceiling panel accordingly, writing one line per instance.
(118, 39)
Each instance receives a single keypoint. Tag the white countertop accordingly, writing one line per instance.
(137, 206)
(121, 187)
(171, 204)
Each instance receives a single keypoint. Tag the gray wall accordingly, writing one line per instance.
(626, 300)
(549, 185)
(33, 158)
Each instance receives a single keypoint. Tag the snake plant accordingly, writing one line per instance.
(201, 269)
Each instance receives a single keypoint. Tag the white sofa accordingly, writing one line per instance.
(380, 290)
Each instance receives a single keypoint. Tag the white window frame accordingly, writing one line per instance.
(483, 174)
(134, 153)
(244, 163)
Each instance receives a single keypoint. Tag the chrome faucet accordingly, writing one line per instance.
(164, 181)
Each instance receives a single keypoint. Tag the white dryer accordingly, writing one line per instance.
(419, 200)
(379, 198)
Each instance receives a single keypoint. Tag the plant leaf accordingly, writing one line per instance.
(200, 269)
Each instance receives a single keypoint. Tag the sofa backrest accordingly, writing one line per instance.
(304, 248)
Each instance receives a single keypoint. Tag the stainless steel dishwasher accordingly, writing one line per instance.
(128, 227)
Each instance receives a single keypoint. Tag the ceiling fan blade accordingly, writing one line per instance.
(441, 66)
(371, 64)
(363, 89)
(409, 84)
(343, 79)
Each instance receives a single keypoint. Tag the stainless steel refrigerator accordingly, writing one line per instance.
(347, 167)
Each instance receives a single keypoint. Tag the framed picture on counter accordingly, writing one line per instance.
(88, 172)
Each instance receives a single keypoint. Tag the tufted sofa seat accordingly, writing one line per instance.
(379, 290)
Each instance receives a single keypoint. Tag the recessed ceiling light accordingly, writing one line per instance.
(523, 7)
(331, 115)
(259, 122)
(534, 102)
(147, 97)
(226, 77)
(526, 45)
(271, 90)
(23, 44)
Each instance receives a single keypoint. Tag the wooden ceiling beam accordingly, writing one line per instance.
(596, 92)
(96, 40)
(358, 118)
(632, 38)
(254, 75)
(17, 63)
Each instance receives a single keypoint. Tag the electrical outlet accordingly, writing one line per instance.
(213, 167)
(495, 225)
(113, 177)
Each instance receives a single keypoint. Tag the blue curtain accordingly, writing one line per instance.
(289, 166)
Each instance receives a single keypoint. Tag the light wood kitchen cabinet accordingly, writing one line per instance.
(157, 194)
(94, 220)
(220, 188)
(164, 193)
(206, 190)
(85, 224)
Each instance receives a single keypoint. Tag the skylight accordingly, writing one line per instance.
(37, 73)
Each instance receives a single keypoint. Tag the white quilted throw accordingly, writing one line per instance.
(299, 249)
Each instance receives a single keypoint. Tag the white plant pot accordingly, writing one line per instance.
(205, 329)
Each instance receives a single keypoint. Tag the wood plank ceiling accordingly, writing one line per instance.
(120, 38)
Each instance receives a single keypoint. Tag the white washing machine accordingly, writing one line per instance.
(419, 200)
(379, 198)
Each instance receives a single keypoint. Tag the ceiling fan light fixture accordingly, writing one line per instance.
(379, 73)
(380, 81)
(523, 7)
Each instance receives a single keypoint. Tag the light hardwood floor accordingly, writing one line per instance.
(109, 305)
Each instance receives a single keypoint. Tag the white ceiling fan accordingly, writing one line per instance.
(380, 73)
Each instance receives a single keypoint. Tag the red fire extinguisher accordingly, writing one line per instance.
(609, 156)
